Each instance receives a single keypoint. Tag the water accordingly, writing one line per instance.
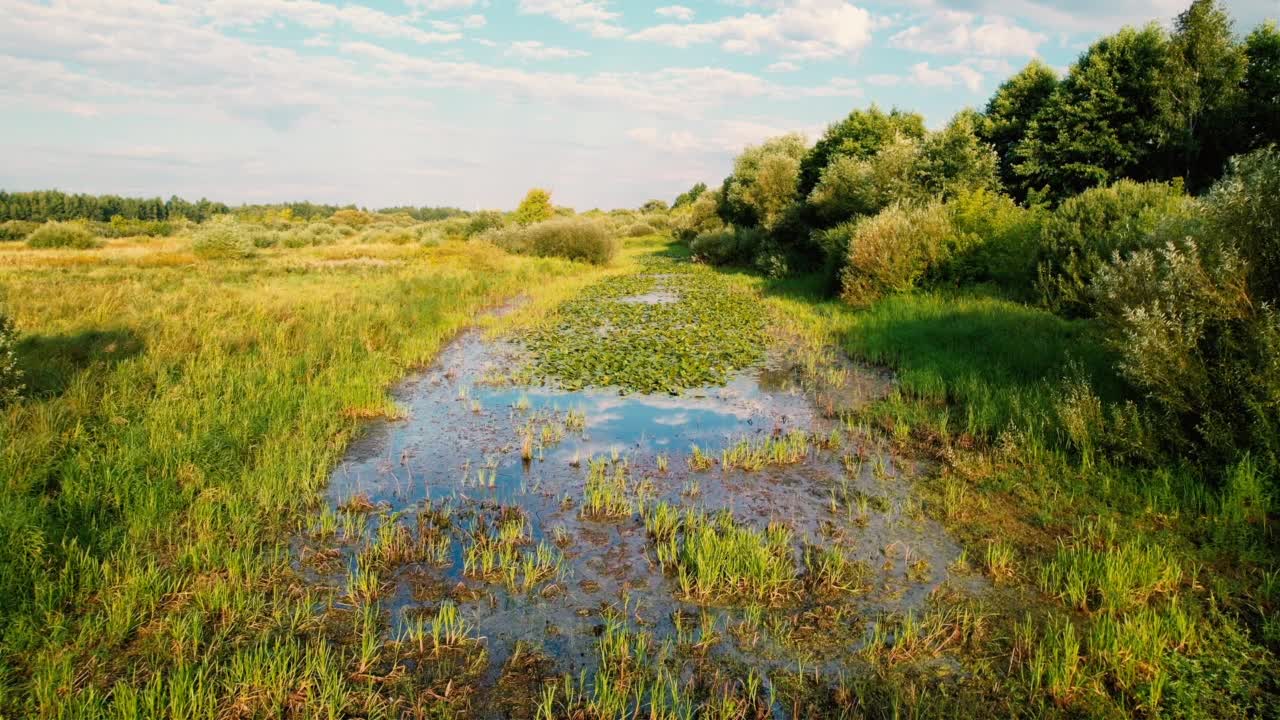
(459, 446)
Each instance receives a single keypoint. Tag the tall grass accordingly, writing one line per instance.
(179, 422)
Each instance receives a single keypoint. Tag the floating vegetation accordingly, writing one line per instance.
(599, 339)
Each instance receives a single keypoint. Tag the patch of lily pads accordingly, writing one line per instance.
(707, 329)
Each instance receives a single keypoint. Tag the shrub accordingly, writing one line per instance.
(268, 238)
(696, 217)
(996, 240)
(727, 246)
(10, 374)
(389, 234)
(640, 230)
(852, 186)
(1092, 228)
(121, 226)
(62, 235)
(574, 238)
(1194, 319)
(482, 221)
(352, 218)
(1246, 205)
(14, 230)
(222, 237)
(892, 251)
(658, 221)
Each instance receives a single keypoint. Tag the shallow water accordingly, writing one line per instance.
(459, 446)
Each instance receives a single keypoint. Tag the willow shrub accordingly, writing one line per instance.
(893, 250)
(223, 237)
(1194, 318)
(71, 235)
(573, 238)
(1089, 230)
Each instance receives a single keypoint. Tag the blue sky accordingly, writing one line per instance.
(471, 102)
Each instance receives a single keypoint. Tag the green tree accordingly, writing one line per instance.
(851, 186)
(955, 159)
(762, 188)
(859, 135)
(1260, 111)
(1201, 93)
(653, 206)
(687, 197)
(1098, 125)
(535, 208)
(1008, 115)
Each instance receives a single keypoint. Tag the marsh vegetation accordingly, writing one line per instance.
(898, 424)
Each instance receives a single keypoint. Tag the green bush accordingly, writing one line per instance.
(121, 226)
(482, 221)
(352, 218)
(1245, 204)
(853, 186)
(639, 230)
(10, 374)
(574, 238)
(996, 240)
(660, 222)
(269, 238)
(892, 251)
(1194, 319)
(222, 237)
(390, 234)
(727, 246)
(14, 230)
(55, 234)
(697, 217)
(1092, 228)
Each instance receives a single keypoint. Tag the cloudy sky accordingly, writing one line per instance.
(471, 102)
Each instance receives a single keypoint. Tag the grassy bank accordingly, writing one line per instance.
(1125, 582)
(181, 417)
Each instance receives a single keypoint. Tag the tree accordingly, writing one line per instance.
(1098, 124)
(687, 197)
(1008, 115)
(1260, 111)
(1201, 93)
(762, 187)
(654, 206)
(535, 208)
(954, 159)
(859, 135)
(851, 186)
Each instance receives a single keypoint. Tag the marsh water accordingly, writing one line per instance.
(461, 444)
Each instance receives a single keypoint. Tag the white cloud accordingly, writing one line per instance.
(321, 40)
(922, 75)
(535, 50)
(308, 13)
(670, 141)
(962, 33)
(676, 12)
(782, 66)
(441, 5)
(472, 22)
(819, 29)
(593, 16)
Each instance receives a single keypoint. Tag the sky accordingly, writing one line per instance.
(468, 103)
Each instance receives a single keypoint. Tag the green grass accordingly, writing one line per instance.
(182, 419)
